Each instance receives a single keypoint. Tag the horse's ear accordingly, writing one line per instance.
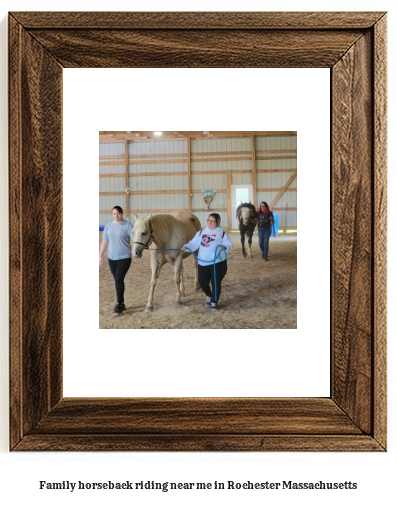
(135, 216)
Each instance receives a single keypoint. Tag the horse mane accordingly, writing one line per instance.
(249, 205)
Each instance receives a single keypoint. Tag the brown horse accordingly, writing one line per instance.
(165, 235)
(246, 215)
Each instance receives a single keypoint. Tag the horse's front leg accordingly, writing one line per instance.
(250, 244)
(156, 261)
(242, 236)
(178, 279)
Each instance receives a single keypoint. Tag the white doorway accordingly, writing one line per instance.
(240, 193)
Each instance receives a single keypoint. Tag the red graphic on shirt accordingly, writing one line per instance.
(207, 239)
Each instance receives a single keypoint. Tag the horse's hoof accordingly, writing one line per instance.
(148, 309)
(178, 303)
(244, 255)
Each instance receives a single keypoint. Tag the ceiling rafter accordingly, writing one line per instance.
(110, 136)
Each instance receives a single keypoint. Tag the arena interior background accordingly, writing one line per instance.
(146, 173)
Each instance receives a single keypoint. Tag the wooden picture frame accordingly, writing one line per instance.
(353, 46)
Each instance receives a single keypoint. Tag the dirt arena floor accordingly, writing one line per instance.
(255, 294)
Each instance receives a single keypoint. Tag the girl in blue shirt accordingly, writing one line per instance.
(116, 236)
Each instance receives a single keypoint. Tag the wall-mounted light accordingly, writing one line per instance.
(158, 133)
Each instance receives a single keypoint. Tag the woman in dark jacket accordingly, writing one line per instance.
(265, 222)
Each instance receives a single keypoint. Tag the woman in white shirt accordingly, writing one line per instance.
(212, 243)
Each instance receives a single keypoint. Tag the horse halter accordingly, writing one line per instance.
(146, 245)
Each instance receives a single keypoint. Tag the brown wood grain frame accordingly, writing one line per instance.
(353, 46)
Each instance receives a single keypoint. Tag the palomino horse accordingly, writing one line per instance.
(246, 216)
(165, 234)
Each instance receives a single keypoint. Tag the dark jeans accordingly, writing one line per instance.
(119, 270)
(264, 235)
(206, 275)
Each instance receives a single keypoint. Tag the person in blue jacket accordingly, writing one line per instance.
(210, 241)
(117, 236)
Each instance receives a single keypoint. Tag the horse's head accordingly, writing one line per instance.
(143, 236)
(244, 212)
(245, 215)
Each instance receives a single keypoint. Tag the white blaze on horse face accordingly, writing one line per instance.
(245, 215)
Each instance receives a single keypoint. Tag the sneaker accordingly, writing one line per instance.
(213, 307)
(208, 301)
(119, 308)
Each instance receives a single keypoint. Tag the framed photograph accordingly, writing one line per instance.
(171, 183)
(353, 46)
